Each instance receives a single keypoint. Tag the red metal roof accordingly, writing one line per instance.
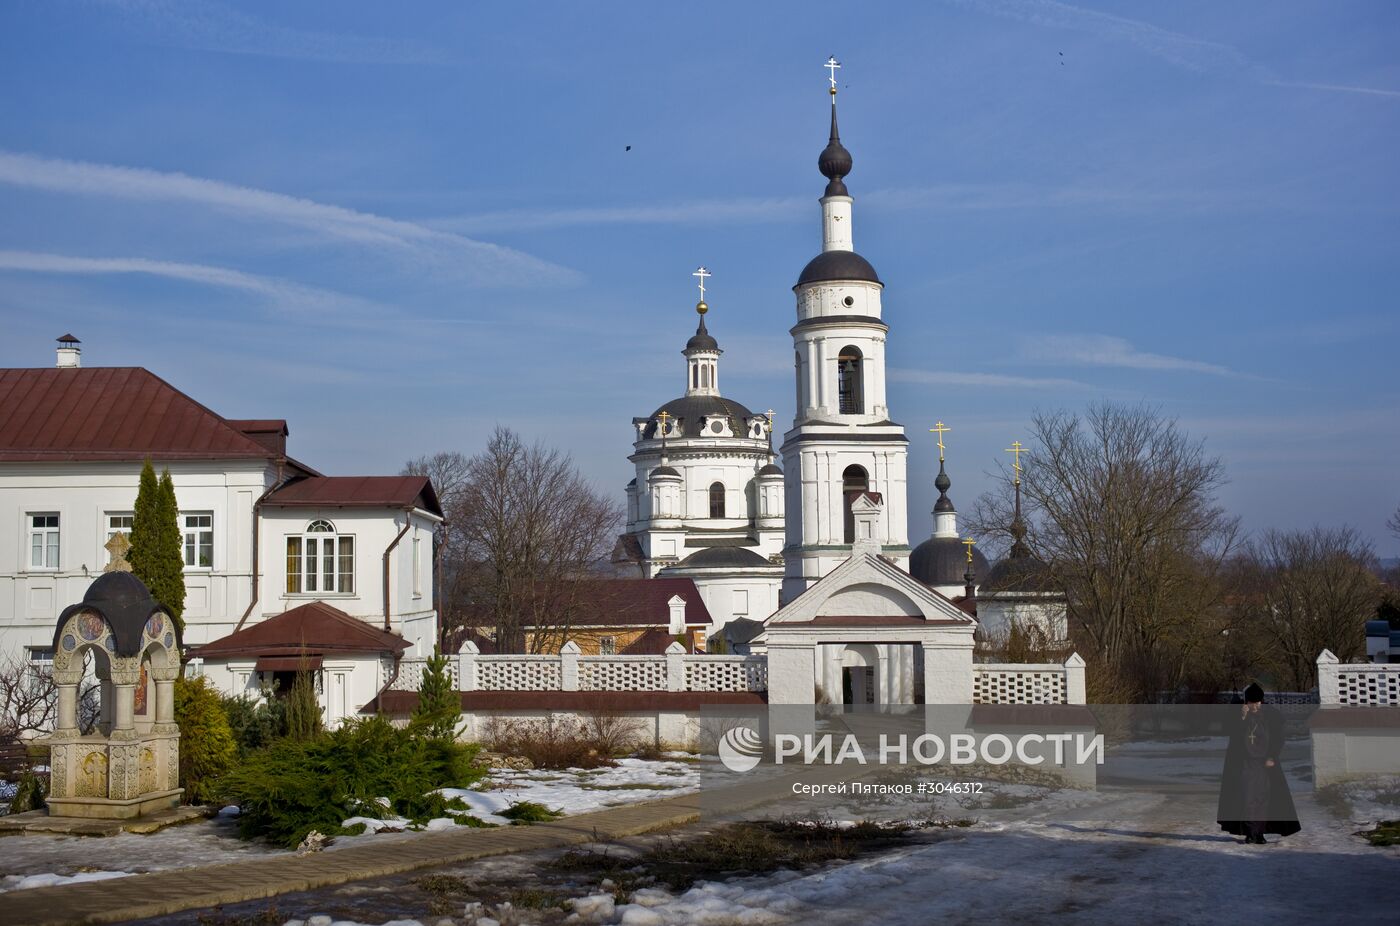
(110, 413)
(634, 602)
(358, 492)
(313, 629)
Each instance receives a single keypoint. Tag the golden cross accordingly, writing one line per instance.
(769, 415)
(1016, 449)
(664, 417)
(968, 543)
(940, 429)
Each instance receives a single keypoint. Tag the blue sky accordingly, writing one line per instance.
(397, 225)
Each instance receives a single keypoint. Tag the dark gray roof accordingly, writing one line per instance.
(741, 630)
(125, 603)
(663, 471)
(837, 265)
(943, 561)
(732, 557)
(691, 408)
(1378, 628)
(1023, 573)
(772, 469)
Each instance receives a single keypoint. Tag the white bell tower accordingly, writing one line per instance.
(842, 445)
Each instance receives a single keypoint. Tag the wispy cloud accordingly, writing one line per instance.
(1103, 350)
(965, 197)
(1185, 51)
(282, 292)
(709, 212)
(209, 26)
(487, 263)
(994, 380)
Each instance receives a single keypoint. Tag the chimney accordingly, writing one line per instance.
(70, 355)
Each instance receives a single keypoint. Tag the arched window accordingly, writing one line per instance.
(854, 483)
(848, 381)
(717, 500)
(320, 561)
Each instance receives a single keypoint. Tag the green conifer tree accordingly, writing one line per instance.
(144, 543)
(303, 707)
(207, 746)
(157, 556)
(439, 705)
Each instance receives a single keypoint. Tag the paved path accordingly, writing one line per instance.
(163, 892)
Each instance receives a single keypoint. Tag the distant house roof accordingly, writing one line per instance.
(357, 492)
(654, 642)
(638, 602)
(114, 413)
(313, 629)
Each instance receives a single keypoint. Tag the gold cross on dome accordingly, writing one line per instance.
(769, 415)
(664, 417)
(833, 66)
(703, 274)
(940, 429)
(968, 543)
(1016, 450)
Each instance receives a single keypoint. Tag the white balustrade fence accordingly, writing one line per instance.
(1359, 685)
(1026, 683)
(678, 671)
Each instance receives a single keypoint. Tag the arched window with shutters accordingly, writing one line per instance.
(854, 483)
(717, 500)
(849, 387)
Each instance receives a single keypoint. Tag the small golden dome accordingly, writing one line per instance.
(701, 307)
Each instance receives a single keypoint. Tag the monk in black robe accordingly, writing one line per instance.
(1254, 796)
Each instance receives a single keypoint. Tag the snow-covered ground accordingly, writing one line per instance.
(40, 860)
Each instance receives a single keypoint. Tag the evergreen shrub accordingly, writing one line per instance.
(207, 745)
(296, 786)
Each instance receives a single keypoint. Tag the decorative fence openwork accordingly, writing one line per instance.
(569, 671)
(1357, 685)
(1018, 684)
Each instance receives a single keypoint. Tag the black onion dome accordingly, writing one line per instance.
(125, 603)
(942, 483)
(662, 470)
(702, 339)
(829, 266)
(943, 561)
(691, 409)
(772, 469)
(834, 161)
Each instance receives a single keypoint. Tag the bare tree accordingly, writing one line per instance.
(1394, 522)
(29, 699)
(449, 472)
(526, 527)
(1307, 591)
(1120, 504)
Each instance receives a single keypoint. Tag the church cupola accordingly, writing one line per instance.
(702, 350)
(945, 561)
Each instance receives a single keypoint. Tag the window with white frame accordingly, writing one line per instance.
(43, 541)
(607, 646)
(40, 661)
(320, 561)
(199, 539)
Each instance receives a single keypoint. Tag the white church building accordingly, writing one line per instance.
(707, 500)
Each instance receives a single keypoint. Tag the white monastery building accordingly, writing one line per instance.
(264, 534)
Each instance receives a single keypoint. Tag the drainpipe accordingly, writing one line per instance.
(407, 523)
(257, 565)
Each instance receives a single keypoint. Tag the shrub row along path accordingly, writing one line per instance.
(163, 892)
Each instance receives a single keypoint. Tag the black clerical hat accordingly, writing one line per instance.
(1253, 694)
